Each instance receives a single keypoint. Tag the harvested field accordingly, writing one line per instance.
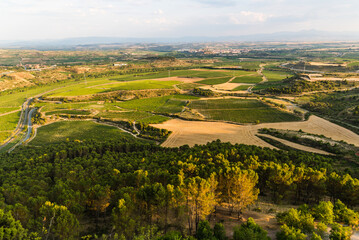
(327, 64)
(334, 79)
(296, 145)
(198, 132)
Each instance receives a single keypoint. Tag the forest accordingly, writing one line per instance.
(139, 190)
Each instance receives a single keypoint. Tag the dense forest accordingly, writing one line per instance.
(136, 190)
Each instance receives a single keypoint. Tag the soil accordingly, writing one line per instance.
(201, 132)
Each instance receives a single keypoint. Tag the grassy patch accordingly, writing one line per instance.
(241, 88)
(9, 122)
(72, 112)
(214, 81)
(4, 135)
(76, 130)
(134, 116)
(82, 89)
(187, 86)
(276, 75)
(166, 104)
(241, 111)
(8, 109)
(248, 79)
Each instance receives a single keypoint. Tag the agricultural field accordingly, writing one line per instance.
(248, 79)
(133, 116)
(274, 76)
(8, 122)
(7, 109)
(242, 87)
(214, 81)
(83, 89)
(240, 111)
(77, 130)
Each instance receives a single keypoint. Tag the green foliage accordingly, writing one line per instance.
(144, 184)
(171, 236)
(324, 212)
(10, 228)
(219, 232)
(321, 229)
(76, 130)
(58, 222)
(214, 81)
(290, 233)
(204, 231)
(315, 237)
(345, 215)
(338, 232)
(297, 219)
(240, 110)
(249, 230)
(248, 79)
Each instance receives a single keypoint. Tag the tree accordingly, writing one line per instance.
(238, 188)
(219, 232)
(124, 218)
(290, 233)
(250, 230)
(297, 219)
(345, 215)
(338, 232)
(151, 197)
(315, 237)
(98, 198)
(10, 228)
(324, 212)
(204, 231)
(200, 198)
(58, 222)
(280, 179)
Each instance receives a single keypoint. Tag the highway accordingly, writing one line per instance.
(25, 117)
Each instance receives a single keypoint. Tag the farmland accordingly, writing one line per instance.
(59, 132)
(117, 138)
(248, 79)
(240, 111)
(274, 76)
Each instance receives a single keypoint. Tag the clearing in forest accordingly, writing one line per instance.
(199, 132)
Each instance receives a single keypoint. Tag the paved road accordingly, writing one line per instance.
(29, 129)
(25, 118)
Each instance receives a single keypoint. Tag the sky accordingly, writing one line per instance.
(58, 19)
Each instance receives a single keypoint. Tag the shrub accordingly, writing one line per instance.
(290, 233)
(345, 215)
(324, 212)
(297, 219)
(339, 232)
(204, 231)
(250, 230)
(219, 232)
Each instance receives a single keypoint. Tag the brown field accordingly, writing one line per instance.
(296, 145)
(334, 79)
(327, 64)
(200, 132)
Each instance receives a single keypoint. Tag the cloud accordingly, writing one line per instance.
(218, 3)
(248, 17)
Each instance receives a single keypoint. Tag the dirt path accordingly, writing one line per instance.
(296, 145)
(7, 113)
(200, 132)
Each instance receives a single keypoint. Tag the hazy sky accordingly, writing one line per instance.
(53, 19)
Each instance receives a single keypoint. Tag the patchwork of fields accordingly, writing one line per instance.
(77, 130)
(240, 111)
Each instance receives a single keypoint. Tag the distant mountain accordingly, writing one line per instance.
(307, 35)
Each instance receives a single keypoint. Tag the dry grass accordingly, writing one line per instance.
(199, 132)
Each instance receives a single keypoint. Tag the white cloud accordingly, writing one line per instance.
(248, 17)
